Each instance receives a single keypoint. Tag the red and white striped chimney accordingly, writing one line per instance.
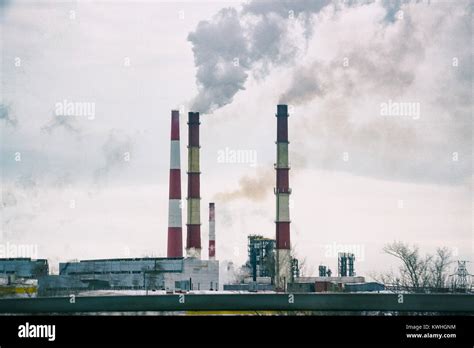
(282, 193)
(212, 232)
(193, 242)
(175, 233)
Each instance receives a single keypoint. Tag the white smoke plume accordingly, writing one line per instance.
(236, 43)
(262, 34)
(343, 61)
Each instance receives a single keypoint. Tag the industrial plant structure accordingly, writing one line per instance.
(270, 264)
(173, 273)
(22, 267)
(19, 276)
(282, 193)
(345, 264)
(175, 231)
(170, 274)
(261, 256)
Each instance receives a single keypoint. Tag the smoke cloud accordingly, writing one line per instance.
(221, 57)
(402, 51)
(116, 151)
(252, 188)
(404, 59)
(6, 116)
(236, 43)
(68, 123)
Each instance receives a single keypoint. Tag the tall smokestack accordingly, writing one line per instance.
(212, 232)
(282, 193)
(175, 233)
(193, 242)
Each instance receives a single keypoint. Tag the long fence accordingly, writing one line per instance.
(455, 303)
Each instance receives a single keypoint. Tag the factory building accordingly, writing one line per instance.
(260, 266)
(23, 268)
(261, 256)
(345, 281)
(173, 273)
(170, 274)
(322, 284)
(270, 263)
(19, 276)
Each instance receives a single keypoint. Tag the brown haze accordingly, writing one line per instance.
(254, 188)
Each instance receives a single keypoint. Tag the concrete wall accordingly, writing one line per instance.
(204, 275)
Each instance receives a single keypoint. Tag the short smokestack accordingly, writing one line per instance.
(212, 232)
(282, 193)
(193, 242)
(175, 233)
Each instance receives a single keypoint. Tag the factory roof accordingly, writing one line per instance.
(20, 259)
(132, 259)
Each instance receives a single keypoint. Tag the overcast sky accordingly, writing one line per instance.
(360, 177)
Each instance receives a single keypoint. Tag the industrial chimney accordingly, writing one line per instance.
(175, 233)
(282, 193)
(193, 242)
(212, 232)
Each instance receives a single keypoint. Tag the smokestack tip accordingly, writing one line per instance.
(282, 110)
(193, 117)
(174, 112)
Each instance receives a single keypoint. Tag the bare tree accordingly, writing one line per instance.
(415, 269)
(418, 271)
(439, 267)
(305, 268)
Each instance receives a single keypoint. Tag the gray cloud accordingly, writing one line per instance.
(379, 67)
(390, 64)
(258, 36)
(8, 198)
(67, 123)
(6, 116)
(340, 104)
(115, 150)
(19, 204)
